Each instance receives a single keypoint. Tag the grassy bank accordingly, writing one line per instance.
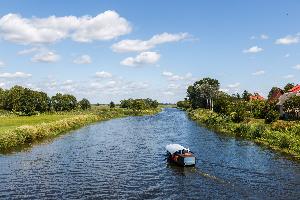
(16, 131)
(281, 136)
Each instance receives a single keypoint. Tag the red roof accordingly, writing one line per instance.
(256, 96)
(295, 89)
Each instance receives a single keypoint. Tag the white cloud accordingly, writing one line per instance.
(224, 90)
(83, 59)
(289, 76)
(45, 57)
(287, 40)
(15, 75)
(104, 26)
(28, 51)
(264, 37)
(169, 93)
(2, 64)
(254, 49)
(103, 74)
(257, 73)
(234, 85)
(297, 67)
(144, 45)
(143, 58)
(173, 77)
(173, 86)
(2, 85)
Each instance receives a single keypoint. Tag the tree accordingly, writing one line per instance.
(2, 98)
(203, 92)
(292, 106)
(222, 102)
(64, 102)
(84, 104)
(42, 102)
(112, 104)
(288, 86)
(246, 95)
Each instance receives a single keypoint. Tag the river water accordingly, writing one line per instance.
(125, 159)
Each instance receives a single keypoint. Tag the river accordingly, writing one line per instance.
(125, 159)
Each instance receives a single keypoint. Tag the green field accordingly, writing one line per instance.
(11, 122)
(18, 131)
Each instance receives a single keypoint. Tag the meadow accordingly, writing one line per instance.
(18, 131)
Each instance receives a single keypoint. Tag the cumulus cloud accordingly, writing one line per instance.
(143, 58)
(104, 26)
(45, 57)
(83, 59)
(15, 75)
(173, 77)
(287, 40)
(103, 74)
(144, 45)
(234, 85)
(257, 73)
(297, 67)
(254, 49)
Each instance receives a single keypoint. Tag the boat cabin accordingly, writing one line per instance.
(180, 155)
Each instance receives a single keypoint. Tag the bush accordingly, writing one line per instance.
(112, 104)
(84, 104)
(271, 116)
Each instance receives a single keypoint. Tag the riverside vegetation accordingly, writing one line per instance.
(28, 116)
(236, 115)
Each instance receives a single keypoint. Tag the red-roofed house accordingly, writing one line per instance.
(283, 98)
(295, 89)
(256, 96)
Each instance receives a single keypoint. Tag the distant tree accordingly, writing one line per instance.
(64, 102)
(2, 98)
(203, 92)
(246, 95)
(42, 102)
(112, 104)
(84, 104)
(288, 86)
(183, 104)
(292, 105)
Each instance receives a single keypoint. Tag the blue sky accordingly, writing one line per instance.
(111, 50)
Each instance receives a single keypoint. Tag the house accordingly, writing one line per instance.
(275, 95)
(283, 98)
(256, 96)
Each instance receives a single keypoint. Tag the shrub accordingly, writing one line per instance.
(271, 116)
(84, 104)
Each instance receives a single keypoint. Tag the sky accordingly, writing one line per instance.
(113, 50)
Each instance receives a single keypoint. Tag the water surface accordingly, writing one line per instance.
(125, 159)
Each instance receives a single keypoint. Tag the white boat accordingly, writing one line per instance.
(180, 155)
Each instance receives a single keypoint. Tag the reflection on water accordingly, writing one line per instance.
(125, 158)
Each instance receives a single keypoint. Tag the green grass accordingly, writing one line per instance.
(283, 136)
(19, 131)
(11, 122)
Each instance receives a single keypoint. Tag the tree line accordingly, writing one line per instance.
(25, 101)
(139, 104)
(205, 94)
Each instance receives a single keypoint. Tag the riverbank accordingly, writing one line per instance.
(17, 132)
(282, 136)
